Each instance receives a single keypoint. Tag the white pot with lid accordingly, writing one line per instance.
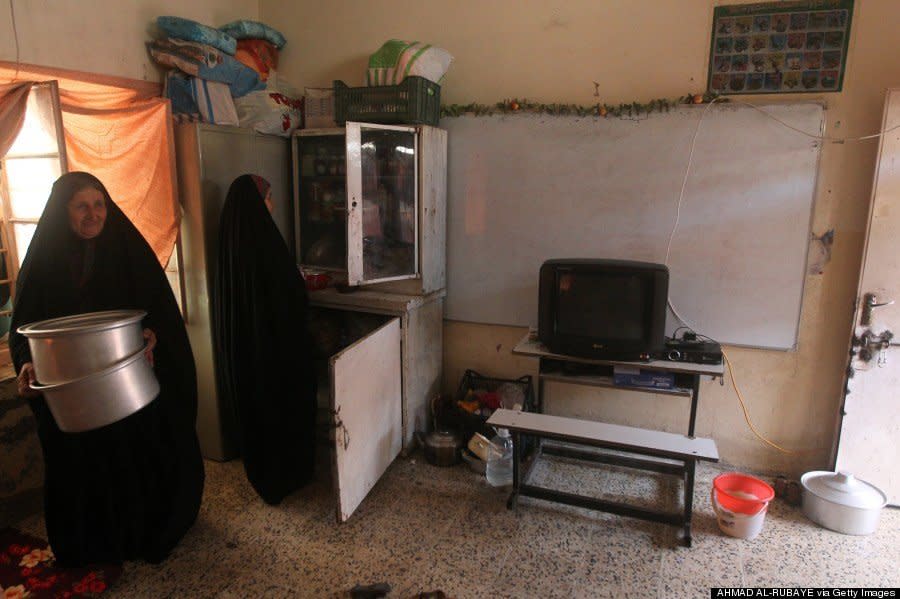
(841, 502)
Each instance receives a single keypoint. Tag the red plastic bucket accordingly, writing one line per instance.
(742, 494)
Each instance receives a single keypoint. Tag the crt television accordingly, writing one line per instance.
(603, 309)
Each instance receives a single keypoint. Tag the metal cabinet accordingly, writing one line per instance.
(370, 209)
(421, 346)
(370, 205)
(208, 159)
(379, 363)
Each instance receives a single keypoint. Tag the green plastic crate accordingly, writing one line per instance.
(415, 101)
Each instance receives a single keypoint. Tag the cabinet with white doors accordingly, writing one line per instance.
(370, 211)
(378, 359)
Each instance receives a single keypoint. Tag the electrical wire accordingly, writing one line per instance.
(687, 325)
(737, 392)
(690, 162)
(740, 397)
(684, 321)
(684, 181)
(734, 384)
(813, 135)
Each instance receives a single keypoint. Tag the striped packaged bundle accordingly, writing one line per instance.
(396, 60)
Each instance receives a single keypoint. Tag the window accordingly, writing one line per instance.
(27, 172)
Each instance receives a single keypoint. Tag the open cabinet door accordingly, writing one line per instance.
(382, 203)
(366, 399)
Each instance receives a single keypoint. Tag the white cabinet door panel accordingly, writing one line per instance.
(366, 399)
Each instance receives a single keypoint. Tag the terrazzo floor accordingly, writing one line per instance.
(424, 528)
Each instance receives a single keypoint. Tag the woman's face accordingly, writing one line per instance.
(268, 201)
(87, 212)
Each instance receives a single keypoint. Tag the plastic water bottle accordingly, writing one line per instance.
(499, 471)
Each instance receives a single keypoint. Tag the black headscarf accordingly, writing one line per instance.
(264, 346)
(131, 489)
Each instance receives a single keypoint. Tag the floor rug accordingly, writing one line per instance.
(28, 569)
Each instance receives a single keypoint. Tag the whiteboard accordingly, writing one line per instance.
(525, 188)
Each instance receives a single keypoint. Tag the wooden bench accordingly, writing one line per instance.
(679, 454)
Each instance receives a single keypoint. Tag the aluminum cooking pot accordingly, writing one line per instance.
(104, 397)
(73, 347)
(841, 502)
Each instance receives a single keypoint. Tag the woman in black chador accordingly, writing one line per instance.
(131, 489)
(263, 344)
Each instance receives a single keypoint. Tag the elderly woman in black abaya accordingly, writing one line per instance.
(131, 489)
(264, 345)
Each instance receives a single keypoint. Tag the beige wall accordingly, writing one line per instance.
(103, 36)
(638, 50)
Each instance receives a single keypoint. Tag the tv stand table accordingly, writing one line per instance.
(657, 451)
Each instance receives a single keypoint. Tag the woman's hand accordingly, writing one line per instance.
(24, 380)
(150, 338)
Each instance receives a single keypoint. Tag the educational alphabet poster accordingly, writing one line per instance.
(780, 47)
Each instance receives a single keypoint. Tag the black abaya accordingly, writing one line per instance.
(264, 346)
(131, 489)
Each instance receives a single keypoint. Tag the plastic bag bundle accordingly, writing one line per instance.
(277, 110)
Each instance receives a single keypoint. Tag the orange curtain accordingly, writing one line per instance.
(13, 98)
(120, 131)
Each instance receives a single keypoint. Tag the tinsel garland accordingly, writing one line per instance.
(632, 109)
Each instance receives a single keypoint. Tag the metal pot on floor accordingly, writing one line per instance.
(841, 502)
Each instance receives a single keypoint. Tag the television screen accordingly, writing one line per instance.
(602, 309)
(602, 305)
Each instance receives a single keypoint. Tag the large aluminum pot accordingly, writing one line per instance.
(841, 502)
(104, 397)
(70, 348)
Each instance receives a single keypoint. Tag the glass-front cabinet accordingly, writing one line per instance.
(357, 201)
(370, 204)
